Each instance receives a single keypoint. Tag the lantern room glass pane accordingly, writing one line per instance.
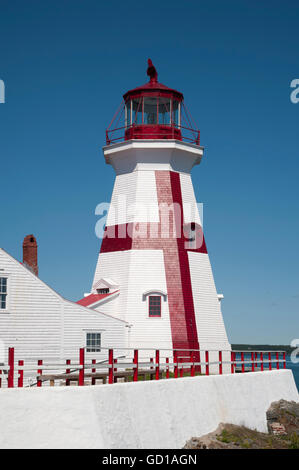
(175, 112)
(137, 110)
(150, 110)
(128, 114)
(164, 111)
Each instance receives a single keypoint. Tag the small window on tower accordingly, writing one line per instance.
(192, 232)
(154, 305)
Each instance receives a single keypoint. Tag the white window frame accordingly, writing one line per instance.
(93, 332)
(6, 276)
(158, 293)
(148, 303)
(103, 293)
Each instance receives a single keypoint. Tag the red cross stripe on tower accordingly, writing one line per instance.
(175, 251)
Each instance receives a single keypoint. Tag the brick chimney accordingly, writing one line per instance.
(30, 253)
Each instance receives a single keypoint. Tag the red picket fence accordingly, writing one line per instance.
(178, 363)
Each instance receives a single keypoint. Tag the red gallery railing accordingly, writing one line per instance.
(134, 364)
(135, 131)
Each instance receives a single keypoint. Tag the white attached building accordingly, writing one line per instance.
(39, 323)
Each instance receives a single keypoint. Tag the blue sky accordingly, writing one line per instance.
(66, 64)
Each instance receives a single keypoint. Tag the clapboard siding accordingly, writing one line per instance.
(138, 186)
(209, 320)
(133, 271)
(40, 323)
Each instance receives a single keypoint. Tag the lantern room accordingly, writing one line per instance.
(152, 111)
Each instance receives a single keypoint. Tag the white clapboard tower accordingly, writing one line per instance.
(153, 269)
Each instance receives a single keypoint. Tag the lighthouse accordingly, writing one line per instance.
(153, 269)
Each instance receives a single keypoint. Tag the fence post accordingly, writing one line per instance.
(110, 358)
(182, 369)
(277, 360)
(81, 362)
(114, 370)
(207, 363)
(175, 360)
(284, 360)
(151, 375)
(270, 360)
(93, 371)
(11, 364)
(262, 362)
(199, 367)
(252, 362)
(192, 365)
(0, 378)
(167, 368)
(21, 374)
(232, 369)
(39, 372)
(135, 373)
(220, 362)
(67, 371)
(157, 364)
(242, 362)
(255, 357)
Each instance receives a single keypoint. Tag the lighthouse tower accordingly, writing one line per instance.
(153, 269)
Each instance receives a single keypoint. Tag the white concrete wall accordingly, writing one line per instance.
(146, 415)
